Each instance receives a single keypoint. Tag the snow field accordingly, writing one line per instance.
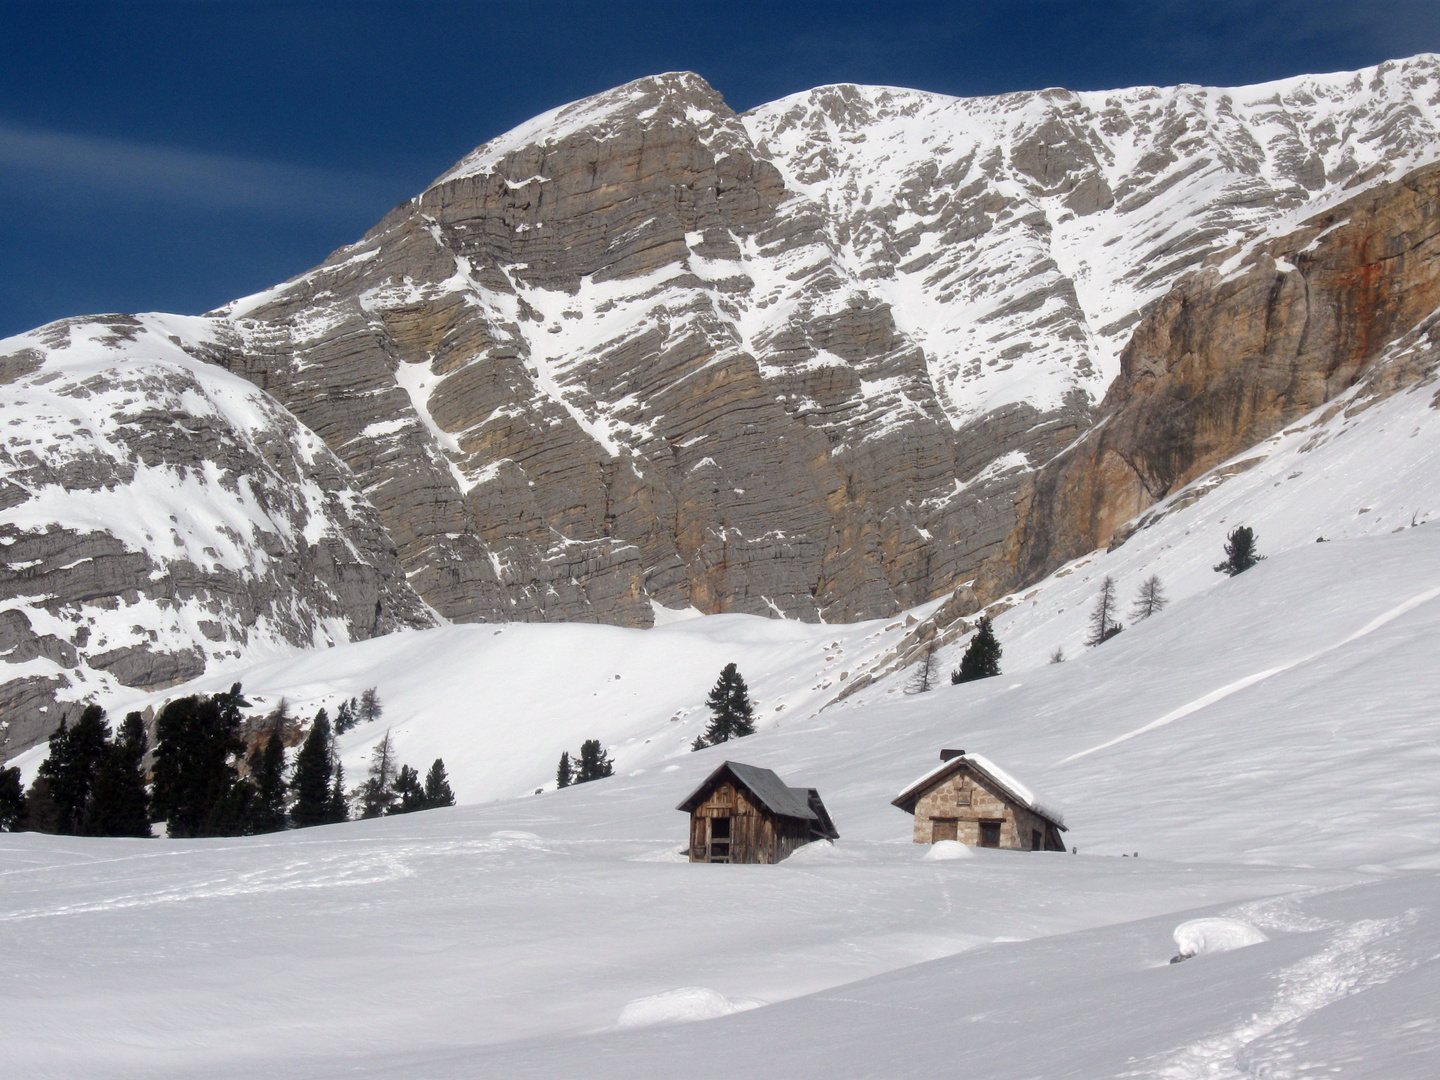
(1266, 744)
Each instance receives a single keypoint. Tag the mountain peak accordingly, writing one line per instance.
(670, 96)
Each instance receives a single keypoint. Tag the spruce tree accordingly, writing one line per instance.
(1103, 625)
(369, 706)
(119, 804)
(1150, 599)
(982, 657)
(377, 795)
(1058, 656)
(311, 781)
(564, 774)
(72, 764)
(437, 787)
(338, 806)
(345, 717)
(409, 792)
(41, 813)
(267, 775)
(1240, 551)
(234, 813)
(731, 711)
(12, 800)
(195, 741)
(594, 762)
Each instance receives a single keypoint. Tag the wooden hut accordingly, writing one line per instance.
(746, 814)
(971, 799)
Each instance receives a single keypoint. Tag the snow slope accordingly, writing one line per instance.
(1264, 749)
(1266, 744)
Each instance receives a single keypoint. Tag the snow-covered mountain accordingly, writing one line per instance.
(800, 362)
(1264, 744)
(163, 516)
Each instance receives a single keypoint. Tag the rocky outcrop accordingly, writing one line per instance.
(1234, 354)
(161, 515)
(642, 350)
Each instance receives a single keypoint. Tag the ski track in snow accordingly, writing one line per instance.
(1260, 676)
(1352, 961)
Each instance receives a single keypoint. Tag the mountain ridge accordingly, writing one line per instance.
(801, 361)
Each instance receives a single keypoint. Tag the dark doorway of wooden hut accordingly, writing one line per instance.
(719, 839)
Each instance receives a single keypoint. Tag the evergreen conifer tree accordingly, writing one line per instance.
(369, 706)
(1058, 656)
(311, 781)
(731, 711)
(70, 768)
(564, 773)
(1240, 551)
(1103, 625)
(12, 800)
(594, 762)
(235, 813)
(119, 804)
(196, 740)
(344, 717)
(377, 793)
(1150, 599)
(437, 787)
(338, 806)
(267, 775)
(409, 792)
(982, 657)
(41, 813)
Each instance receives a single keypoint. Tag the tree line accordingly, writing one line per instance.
(203, 780)
(981, 659)
(732, 716)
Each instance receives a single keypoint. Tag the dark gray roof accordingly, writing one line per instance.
(776, 796)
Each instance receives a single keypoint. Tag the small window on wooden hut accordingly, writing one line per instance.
(746, 814)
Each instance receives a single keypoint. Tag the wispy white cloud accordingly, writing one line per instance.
(40, 161)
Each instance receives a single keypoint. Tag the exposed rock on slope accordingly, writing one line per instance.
(1234, 354)
(643, 350)
(798, 361)
(161, 515)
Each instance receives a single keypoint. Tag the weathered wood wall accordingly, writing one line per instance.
(756, 836)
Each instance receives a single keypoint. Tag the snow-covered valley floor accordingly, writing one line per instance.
(1268, 745)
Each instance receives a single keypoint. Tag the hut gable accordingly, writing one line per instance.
(746, 814)
(969, 798)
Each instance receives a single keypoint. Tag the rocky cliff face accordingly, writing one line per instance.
(643, 350)
(161, 516)
(1234, 354)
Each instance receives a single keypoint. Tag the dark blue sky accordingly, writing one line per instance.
(174, 155)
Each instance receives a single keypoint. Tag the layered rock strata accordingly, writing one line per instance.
(1234, 354)
(795, 362)
(642, 350)
(161, 516)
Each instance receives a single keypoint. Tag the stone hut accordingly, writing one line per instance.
(971, 799)
(746, 814)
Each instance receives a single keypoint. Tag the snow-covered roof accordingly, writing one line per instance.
(1009, 786)
(773, 793)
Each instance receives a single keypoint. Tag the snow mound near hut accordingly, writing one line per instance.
(682, 1006)
(1215, 935)
(946, 850)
